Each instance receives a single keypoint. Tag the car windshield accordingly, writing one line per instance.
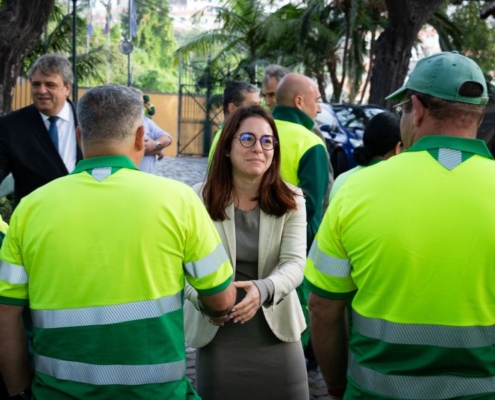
(326, 117)
(356, 118)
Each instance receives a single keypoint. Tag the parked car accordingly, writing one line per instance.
(343, 128)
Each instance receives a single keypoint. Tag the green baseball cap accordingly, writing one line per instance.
(441, 75)
(146, 98)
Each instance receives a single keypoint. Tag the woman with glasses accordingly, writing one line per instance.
(255, 352)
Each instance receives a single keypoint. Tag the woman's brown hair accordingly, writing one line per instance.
(274, 197)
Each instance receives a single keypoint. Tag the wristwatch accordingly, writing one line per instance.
(158, 145)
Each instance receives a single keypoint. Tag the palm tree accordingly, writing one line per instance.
(237, 41)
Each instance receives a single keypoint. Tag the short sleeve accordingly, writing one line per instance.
(13, 276)
(328, 267)
(206, 263)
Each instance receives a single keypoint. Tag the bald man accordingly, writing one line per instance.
(304, 155)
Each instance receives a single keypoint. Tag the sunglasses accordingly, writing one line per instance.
(399, 110)
(248, 139)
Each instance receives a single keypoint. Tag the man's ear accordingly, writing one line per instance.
(298, 102)
(231, 107)
(398, 148)
(139, 138)
(418, 109)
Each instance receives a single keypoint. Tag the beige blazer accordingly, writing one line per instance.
(281, 258)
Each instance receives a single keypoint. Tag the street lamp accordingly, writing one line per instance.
(126, 47)
(74, 52)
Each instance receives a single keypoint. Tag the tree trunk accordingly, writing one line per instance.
(336, 84)
(21, 25)
(393, 47)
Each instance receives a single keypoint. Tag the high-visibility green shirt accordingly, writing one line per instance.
(414, 239)
(101, 257)
(214, 145)
(342, 178)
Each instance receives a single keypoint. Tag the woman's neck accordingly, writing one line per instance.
(246, 193)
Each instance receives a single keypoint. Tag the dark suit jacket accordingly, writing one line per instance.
(27, 151)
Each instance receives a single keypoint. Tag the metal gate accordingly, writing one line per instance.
(200, 108)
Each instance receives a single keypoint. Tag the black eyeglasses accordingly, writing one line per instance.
(249, 139)
(399, 110)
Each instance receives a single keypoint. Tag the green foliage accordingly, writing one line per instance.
(153, 55)
(155, 34)
(478, 36)
(58, 39)
(6, 207)
(239, 41)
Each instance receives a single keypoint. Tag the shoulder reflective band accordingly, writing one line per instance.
(207, 265)
(328, 265)
(11, 273)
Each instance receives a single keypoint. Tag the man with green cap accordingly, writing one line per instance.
(412, 240)
(149, 108)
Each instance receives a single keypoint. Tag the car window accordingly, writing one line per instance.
(326, 117)
(371, 112)
(356, 118)
(346, 116)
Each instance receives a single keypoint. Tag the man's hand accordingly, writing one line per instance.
(245, 309)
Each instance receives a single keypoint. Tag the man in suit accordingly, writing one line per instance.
(38, 142)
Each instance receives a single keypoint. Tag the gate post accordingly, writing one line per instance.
(207, 128)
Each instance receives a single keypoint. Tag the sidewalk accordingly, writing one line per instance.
(191, 170)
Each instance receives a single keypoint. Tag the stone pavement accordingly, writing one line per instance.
(191, 170)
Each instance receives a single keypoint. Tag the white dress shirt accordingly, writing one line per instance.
(67, 143)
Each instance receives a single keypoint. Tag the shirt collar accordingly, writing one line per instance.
(104, 161)
(294, 115)
(64, 113)
(375, 160)
(474, 146)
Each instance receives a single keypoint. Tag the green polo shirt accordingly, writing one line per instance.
(413, 239)
(101, 257)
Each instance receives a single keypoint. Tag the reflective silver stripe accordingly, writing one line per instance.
(449, 158)
(207, 265)
(418, 387)
(14, 274)
(104, 315)
(94, 374)
(328, 265)
(101, 174)
(460, 337)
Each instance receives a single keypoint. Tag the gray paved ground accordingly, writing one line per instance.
(191, 170)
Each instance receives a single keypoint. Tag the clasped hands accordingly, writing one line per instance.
(244, 310)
